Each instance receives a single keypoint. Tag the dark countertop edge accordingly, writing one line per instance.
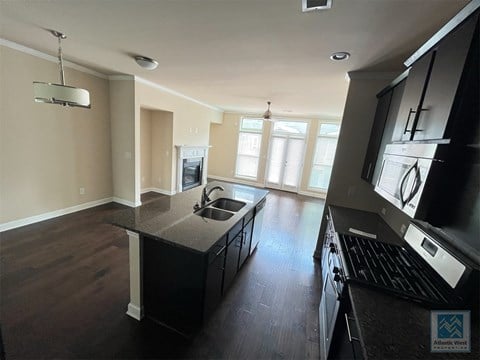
(244, 211)
(157, 238)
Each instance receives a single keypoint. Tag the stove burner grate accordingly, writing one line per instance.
(393, 269)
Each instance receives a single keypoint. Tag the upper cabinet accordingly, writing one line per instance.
(432, 86)
(411, 100)
(436, 99)
(383, 127)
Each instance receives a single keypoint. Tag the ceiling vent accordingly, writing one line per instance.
(309, 5)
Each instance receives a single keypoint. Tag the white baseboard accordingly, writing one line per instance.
(52, 214)
(236, 180)
(159, 191)
(319, 195)
(135, 312)
(126, 202)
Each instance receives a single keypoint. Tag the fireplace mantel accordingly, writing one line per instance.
(190, 152)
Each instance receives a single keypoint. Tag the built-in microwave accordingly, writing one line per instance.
(408, 175)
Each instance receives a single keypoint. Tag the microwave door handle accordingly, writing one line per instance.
(402, 182)
(416, 185)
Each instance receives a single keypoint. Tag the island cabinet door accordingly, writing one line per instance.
(231, 261)
(214, 280)
(245, 248)
(173, 286)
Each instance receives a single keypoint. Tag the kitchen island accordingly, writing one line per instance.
(181, 261)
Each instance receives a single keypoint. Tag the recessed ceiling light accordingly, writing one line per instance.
(146, 62)
(341, 55)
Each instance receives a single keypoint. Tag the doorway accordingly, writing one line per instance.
(286, 155)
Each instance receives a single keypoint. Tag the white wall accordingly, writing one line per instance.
(125, 152)
(190, 122)
(145, 149)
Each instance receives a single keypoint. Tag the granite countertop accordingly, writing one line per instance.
(171, 218)
(390, 327)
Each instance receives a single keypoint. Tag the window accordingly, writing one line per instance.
(323, 157)
(248, 151)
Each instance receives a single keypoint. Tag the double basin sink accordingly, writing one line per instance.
(221, 209)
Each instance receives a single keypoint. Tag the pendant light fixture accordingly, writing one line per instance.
(267, 115)
(60, 94)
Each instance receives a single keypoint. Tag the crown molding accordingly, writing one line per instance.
(41, 55)
(173, 92)
(316, 117)
(121, 77)
(372, 75)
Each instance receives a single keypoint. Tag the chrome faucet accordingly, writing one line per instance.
(206, 193)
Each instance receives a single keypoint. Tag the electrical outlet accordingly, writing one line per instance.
(384, 211)
(82, 191)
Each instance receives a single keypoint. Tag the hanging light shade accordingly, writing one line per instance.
(60, 94)
(267, 115)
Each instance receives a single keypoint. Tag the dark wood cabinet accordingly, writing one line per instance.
(231, 261)
(447, 70)
(246, 240)
(181, 288)
(432, 85)
(345, 343)
(384, 123)
(376, 134)
(383, 127)
(214, 279)
(412, 98)
(173, 285)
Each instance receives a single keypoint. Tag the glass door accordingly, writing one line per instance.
(286, 153)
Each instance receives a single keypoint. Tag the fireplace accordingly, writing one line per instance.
(191, 166)
(192, 173)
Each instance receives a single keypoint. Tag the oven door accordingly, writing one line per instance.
(330, 301)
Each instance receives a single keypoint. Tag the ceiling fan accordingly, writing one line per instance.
(267, 115)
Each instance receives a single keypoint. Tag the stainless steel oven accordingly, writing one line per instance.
(408, 173)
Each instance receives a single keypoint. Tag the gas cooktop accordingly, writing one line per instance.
(394, 269)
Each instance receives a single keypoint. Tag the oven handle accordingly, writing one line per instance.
(402, 182)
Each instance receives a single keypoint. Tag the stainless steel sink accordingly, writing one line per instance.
(215, 214)
(228, 204)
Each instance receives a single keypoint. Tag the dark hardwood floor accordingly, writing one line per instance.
(64, 288)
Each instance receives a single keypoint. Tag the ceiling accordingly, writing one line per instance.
(234, 54)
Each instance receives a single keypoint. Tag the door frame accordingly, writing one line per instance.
(286, 136)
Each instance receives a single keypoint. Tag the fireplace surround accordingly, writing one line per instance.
(191, 165)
